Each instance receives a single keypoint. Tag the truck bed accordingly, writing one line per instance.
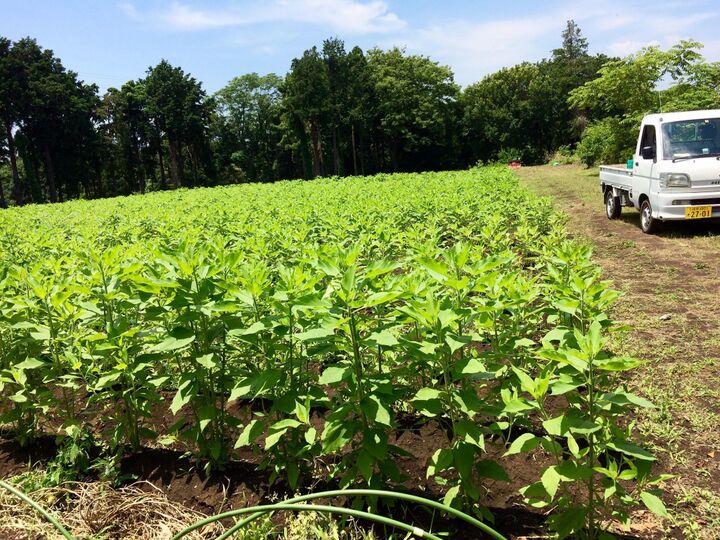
(616, 176)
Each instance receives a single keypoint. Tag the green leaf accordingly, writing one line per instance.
(571, 471)
(488, 468)
(427, 402)
(524, 443)
(207, 361)
(473, 366)
(654, 504)
(310, 435)
(436, 269)
(184, 394)
(516, 405)
(107, 379)
(568, 306)
(631, 450)
(568, 522)
(205, 414)
(274, 437)
(285, 424)
(572, 422)
(252, 431)
(251, 330)
(315, 334)
(29, 363)
(526, 382)
(469, 432)
(451, 495)
(456, 342)
(384, 338)
(293, 473)
(463, 457)
(335, 374)
(376, 410)
(550, 480)
(172, 344)
(626, 398)
(255, 386)
(336, 435)
(618, 363)
(440, 461)
(365, 465)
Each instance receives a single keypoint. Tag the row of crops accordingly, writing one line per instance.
(309, 320)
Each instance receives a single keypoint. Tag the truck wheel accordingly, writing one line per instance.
(648, 224)
(612, 205)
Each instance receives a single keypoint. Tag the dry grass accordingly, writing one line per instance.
(95, 510)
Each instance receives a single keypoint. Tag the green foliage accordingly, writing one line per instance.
(610, 140)
(336, 112)
(310, 321)
(628, 89)
(630, 86)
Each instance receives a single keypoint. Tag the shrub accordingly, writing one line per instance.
(610, 140)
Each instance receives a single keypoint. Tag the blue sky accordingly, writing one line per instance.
(110, 42)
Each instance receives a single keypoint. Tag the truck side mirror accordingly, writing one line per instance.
(648, 152)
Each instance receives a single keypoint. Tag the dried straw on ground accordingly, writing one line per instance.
(96, 510)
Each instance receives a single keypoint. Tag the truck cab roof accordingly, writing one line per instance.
(679, 116)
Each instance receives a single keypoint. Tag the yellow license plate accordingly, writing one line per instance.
(698, 212)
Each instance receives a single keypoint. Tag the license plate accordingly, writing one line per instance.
(698, 212)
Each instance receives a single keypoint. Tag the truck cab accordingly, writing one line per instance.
(675, 172)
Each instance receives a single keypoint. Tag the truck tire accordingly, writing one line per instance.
(613, 207)
(648, 224)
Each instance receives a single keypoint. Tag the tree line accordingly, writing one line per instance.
(336, 112)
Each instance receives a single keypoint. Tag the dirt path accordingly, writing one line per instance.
(671, 286)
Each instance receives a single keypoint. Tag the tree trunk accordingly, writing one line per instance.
(3, 202)
(316, 149)
(163, 182)
(18, 194)
(175, 150)
(362, 153)
(354, 151)
(336, 152)
(394, 155)
(50, 174)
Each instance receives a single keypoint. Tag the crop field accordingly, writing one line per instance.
(433, 333)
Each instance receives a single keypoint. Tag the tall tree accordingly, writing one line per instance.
(246, 125)
(12, 107)
(416, 100)
(574, 45)
(179, 108)
(306, 93)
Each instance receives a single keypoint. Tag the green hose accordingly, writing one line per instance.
(338, 493)
(39, 509)
(313, 508)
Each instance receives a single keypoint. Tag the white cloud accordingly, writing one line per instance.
(349, 16)
(476, 49)
(625, 48)
(613, 22)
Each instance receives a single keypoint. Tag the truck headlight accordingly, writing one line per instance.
(674, 180)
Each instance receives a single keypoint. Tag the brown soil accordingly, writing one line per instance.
(242, 484)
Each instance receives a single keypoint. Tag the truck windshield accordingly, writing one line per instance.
(691, 138)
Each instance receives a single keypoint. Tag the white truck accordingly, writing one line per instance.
(674, 174)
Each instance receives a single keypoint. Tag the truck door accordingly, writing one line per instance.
(643, 168)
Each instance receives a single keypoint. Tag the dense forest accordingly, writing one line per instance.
(336, 112)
